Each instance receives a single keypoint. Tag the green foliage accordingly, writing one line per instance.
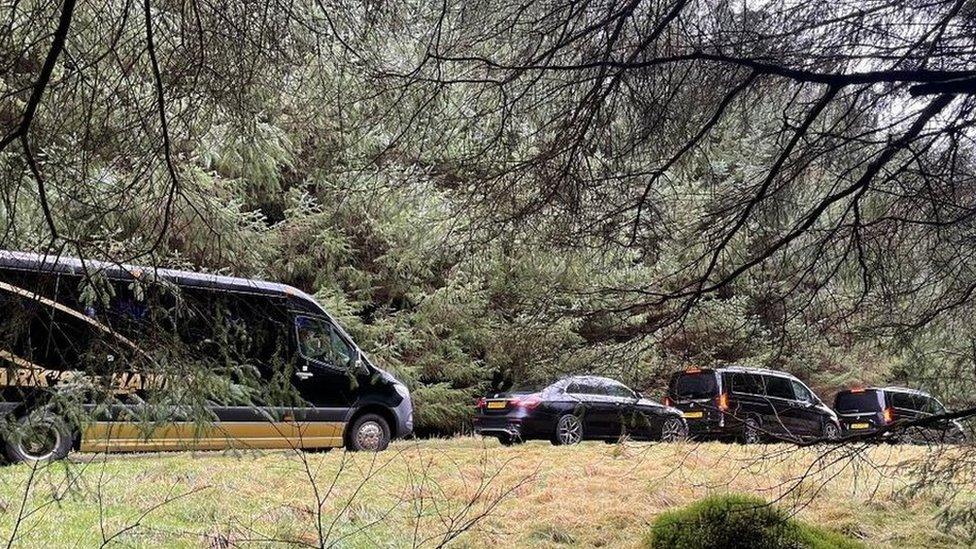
(298, 163)
(730, 521)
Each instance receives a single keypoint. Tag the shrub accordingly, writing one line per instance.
(731, 521)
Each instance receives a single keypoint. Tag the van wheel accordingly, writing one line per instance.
(38, 436)
(569, 430)
(751, 433)
(831, 433)
(369, 433)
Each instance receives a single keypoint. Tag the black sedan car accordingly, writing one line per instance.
(575, 409)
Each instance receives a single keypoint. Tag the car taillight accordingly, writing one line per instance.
(668, 401)
(722, 402)
(527, 403)
(889, 415)
(481, 403)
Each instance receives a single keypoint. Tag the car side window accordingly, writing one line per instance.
(802, 393)
(779, 387)
(904, 401)
(746, 384)
(579, 388)
(319, 340)
(618, 390)
(599, 389)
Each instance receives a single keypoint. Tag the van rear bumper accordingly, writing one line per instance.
(861, 423)
(712, 429)
(710, 423)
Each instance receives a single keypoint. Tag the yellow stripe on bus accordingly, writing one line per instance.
(114, 436)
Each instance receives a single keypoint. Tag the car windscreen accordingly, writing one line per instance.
(695, 385)
(865, 401)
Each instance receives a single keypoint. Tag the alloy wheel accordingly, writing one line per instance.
(673, 430)
(369, 435)
(39, 441)
(750, 432)
(569, 430)
(831, 432)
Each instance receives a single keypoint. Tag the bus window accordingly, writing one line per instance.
(318, 340)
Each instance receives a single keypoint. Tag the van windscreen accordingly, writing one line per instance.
(864, 401)
(695, 386)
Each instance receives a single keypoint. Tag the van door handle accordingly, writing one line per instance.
(303, 375)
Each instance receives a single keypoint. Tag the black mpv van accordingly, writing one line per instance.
(122, 337)
(865, 410)
(749, 404)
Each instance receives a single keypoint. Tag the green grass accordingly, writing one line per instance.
(531, 495)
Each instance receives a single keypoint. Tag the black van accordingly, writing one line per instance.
(749, 404)
(125, 337)
(865, 410)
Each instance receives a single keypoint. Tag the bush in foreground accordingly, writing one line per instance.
(731, 521)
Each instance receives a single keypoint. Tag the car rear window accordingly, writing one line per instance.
(865, 401)
(695, 385)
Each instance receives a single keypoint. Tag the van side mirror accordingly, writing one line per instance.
(358, 366)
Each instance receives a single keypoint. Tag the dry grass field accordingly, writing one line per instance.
(464, 492)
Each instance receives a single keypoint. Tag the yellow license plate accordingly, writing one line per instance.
(497, 405)
(694, 415)
(860, 425)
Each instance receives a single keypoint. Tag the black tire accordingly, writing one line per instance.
(369, 433)
(830, 431)
(674, 429)
(569, 430)
(751, 431)
(38, 436)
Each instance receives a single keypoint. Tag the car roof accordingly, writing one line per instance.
(750, 370)
(49, 263)
(907, 390)
(891, 389)
(570, 379)
(860, 390)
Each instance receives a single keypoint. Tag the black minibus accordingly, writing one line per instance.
(105, 357)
